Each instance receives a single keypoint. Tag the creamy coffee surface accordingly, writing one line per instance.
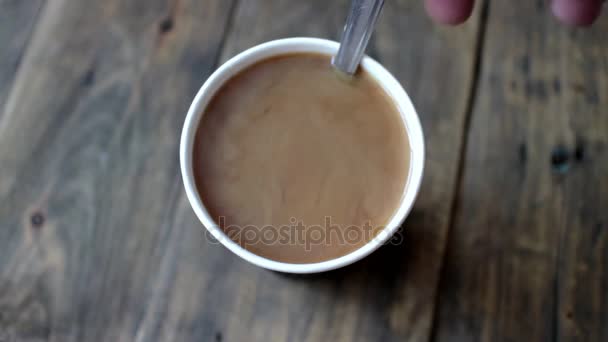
(299, 164)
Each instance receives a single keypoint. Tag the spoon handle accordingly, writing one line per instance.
(357, 31)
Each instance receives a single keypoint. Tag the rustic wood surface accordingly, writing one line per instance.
(527, 257)
(508, 240)
(17, 19)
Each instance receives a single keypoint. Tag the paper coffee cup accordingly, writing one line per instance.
(302, 45)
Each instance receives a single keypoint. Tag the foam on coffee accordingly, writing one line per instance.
(298, 164)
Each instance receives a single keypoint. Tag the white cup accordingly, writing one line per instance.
(294, 45)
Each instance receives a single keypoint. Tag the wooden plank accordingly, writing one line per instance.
(17, 19)
(390, 295)
(527, 257)
(89, 180)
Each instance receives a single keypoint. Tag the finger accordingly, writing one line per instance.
(577, 12)
(450, 12)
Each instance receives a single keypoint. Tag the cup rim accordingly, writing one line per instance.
(298, 45)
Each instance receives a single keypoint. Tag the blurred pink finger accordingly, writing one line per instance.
(577, 12)
(450, 12)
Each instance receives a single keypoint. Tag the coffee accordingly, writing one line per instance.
(299, 164)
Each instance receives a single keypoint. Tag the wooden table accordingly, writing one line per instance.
(508, 240)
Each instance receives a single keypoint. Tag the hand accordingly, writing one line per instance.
(572, 12)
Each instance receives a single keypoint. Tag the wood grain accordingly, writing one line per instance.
(17, 19)
(527, 256)
(91, 195)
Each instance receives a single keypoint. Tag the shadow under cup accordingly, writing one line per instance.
(293, 46)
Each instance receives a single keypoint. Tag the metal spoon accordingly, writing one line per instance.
(357, 31)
